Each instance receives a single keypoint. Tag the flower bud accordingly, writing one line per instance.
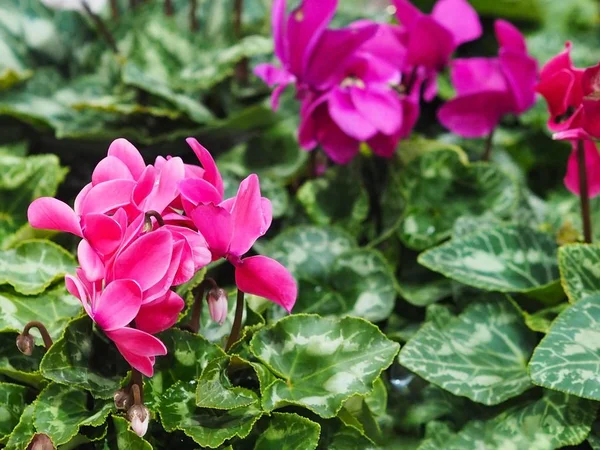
(41, 442)
(123, 399)
(139, 416)
(26, 344)
(217, 305)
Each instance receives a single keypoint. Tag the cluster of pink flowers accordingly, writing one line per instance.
(363, 83)
(573, 98)
(147, 228)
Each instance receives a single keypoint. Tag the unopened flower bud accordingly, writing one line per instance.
(41, 442)
(26, 344)
(217, 305)
(123, 399)
(139, 416)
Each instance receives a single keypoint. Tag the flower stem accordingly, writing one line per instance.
(237, 321)
(168, 7)
(137, 386)
(114, 8)
(194, 26)
(101, 27)
(43, 331)
(584, 197)
(148, 220)
(194, 323)
(488, 146)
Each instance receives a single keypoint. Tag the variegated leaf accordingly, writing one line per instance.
(289, 432)
(12, 404)
(481, 354)
(579, 270)
(321, 362)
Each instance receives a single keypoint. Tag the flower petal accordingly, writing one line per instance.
(52, 214)
(521, 72)
(265, 277)
(592, 164)
(278, 26)
(430, 44)
(146, 260)
(248, 217)
(77, 289)
(137, 342)
(172, 172)
(472, 75)
(160, 314)
(216, 225)
(211, 171)
(340, 147)
(509, 37)
(107, 196)
(103, 233)
(406, 12)
(129, 155)
(197, 191)
(110, 168)
(90, 262)
(117, 305)
(460, 18)
(347, 116)
(381, 107)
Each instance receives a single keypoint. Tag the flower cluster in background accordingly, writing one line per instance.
(148, 228)
(364, 82)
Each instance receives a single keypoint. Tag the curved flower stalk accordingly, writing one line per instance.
(490, 88)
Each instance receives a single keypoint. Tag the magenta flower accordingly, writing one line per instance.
(304, 46)
(231, 228)
(489, 88)
(430, 40)
(592, 164)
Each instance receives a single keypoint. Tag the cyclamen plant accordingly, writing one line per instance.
(148, 228)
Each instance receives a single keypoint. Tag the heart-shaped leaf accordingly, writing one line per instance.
(481, 354)
(24, 430)
(321, 362)
(12, 404)
(579, 270)
(289, 432)
(504, 259)
(126, 438)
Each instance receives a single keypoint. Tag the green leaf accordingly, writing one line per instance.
(16, 365)
(207, 427)
(85, 359)
(21, 181)
(337, 198)
(437, 434)
(439, 188)
(554, 421)
(321, 362)
(54, 308)
(356, 413)
(126, 438)
(420, 286)
(12, 404)
(504, 259)
(481, 354)
(23, 431)
(187, 356)
(579, 270)
(377, 399)
(567, 358)
(214, 389)
(348, 438)
(61, 410)
(309, 251)
(32, 266)
(289, 432)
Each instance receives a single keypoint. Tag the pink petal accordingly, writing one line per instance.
(410, 115)
(382, 108)
(592, 164)
(118, 304)
(340, 147)
(107, 196)
(273, 75)
(384, 145)
(52, 214)
(160, 314)
(591, 114)
(555, 89)
(347, 117)
(110, 168)
(278, 26)
(267, 278)
(216, 225)
(387, 45)
(474, 115)
(77, 289)
(89, 261)
(168, 280)
(211, 171)
(305, 27)
(406, 12)
(146, 260)
(521, 72)
(460, 18)
(275, 96)
(591, 80)
(137, 342)
(81, 197)
(248, 217)
(573, 134)
(342, 43)
(430, 44)
(129, 155)
(144, 186)
(200, 252)
(197, 191)
(165, 192)
(509, 36)
(472, 75)
(103, 233)
(143, 364)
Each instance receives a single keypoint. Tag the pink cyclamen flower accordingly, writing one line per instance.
(231, 228)
(489, 88)
(431, 39)
(217, 305)
(592, 164)
(304, 46)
